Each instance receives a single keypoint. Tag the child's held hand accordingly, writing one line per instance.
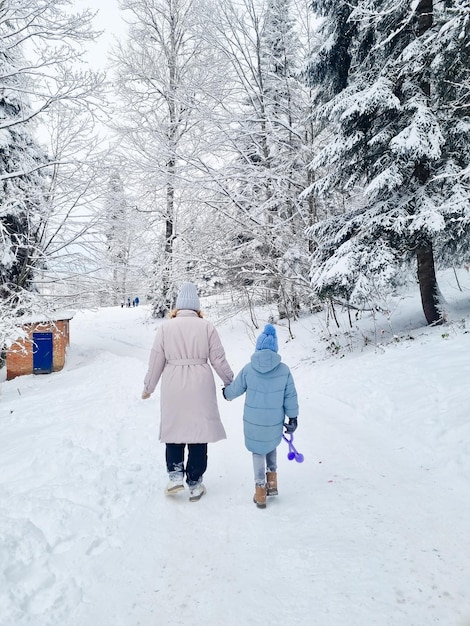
(291, 425)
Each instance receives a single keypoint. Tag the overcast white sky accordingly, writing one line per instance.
(108, 19)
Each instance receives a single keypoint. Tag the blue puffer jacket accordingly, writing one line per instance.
(270, 396)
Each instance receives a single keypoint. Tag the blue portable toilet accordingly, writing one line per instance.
(42, 353)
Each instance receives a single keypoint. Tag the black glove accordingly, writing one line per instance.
(223, 392)
(291, 425)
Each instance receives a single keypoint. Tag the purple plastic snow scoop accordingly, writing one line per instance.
(293, 454)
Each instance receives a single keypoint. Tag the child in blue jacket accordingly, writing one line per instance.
(270, 397)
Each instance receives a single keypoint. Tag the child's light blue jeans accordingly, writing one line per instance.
(263, 463)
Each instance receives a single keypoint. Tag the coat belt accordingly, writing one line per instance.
(186, 361)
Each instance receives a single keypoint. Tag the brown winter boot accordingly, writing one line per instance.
(271, 484)
(260, 496)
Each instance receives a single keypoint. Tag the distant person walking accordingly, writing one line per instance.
(136, 300)
(270, 397)
(183, 348)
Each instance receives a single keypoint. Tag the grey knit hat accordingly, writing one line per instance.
(188, 298)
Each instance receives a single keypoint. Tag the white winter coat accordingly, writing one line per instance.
(183, 348)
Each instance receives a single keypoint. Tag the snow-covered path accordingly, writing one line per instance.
(371, 529)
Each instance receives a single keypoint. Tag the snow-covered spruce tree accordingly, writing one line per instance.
(266, 136)
(389, 78)
(22, 199)
(119, 238)
(164, 71)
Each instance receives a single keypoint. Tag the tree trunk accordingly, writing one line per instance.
(424, 11)
(169, 234)
(428, 284)
(424, 253)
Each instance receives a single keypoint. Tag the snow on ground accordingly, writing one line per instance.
(372, 529)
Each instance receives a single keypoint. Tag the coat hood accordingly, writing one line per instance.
(265, 360)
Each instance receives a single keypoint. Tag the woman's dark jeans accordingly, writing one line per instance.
(196, 464)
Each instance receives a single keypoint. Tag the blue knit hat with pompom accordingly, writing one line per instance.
(268, 339)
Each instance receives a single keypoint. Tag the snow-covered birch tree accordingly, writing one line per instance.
(70, 220)
(124, 228)
(163, 73)
(390, 94)
(266, 148)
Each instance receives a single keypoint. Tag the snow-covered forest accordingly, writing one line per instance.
(310, 154)
(303, 162)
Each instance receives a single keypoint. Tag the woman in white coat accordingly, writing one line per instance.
(183, 348)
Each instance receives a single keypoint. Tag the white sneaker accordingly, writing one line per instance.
(174, 486)
(196, 492)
